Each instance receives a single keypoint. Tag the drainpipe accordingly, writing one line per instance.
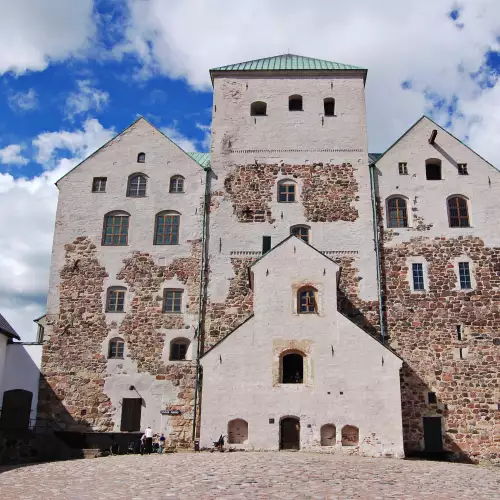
(377, 252)
(200, 297)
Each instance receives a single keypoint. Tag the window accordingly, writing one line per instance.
(431, 396)
(301, 232)
(403, 168)
(286, 192)
(458, 212)
(137, 185)
(292, 368)
(141, 158)
(116, 348)
(167, 229)
(172, 301)
(116, 299)
(258, 108)
(237, 431)
(116, 229)
(418, 277)
(177, 184)
(464, 274)
(295, 103)
(462, 169)
(307, 301)
(99, 184)
(397, 212)
(350, 435)
(178, 349)
(433, 170)
(329, 105)
(328, 435)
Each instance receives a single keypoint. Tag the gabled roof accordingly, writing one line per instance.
(7, 330)
(380, 156)
(373, 157)
(122, 132)
(288, 62)
(202, 159)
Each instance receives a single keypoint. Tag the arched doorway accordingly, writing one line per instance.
(290, 433)
(16, 409)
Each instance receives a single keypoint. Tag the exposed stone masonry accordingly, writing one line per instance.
(423, 330)
(328, 191)
(71, 388)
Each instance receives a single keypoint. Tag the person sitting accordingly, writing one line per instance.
(161, 444)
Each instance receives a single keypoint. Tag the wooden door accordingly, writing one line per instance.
(131, 414)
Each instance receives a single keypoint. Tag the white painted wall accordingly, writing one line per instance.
(239, 374)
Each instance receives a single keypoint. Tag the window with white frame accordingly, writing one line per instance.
(464, 275)
(418, 276)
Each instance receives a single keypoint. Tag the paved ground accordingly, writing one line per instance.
(250, 476)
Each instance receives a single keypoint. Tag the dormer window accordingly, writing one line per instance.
(295, 103)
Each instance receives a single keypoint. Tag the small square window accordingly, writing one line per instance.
(418, 277)
(464, 274)
(403, 168)
(431, 396)
(99, 184)
(172, 301)
(271, 420)
(462, 169)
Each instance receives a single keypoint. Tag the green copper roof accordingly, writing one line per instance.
(202, 159)
(286, 62)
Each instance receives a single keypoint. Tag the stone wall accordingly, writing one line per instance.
(328, 191)
(423, 330)
(71, 388)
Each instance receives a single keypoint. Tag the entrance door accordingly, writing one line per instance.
(290, 433)
(131, 414)
(16, 409)
(433, 435)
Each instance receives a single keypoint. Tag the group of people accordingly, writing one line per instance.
(152, 443)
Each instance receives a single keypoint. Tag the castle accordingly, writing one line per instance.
(287, 289)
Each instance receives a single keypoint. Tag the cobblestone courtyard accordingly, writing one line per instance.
(251, 476)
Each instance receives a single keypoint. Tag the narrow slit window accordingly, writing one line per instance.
(172, 301)
(464, 273)
(418, 277)
(458, 212)
(99, 184)
(403, 168)
(459, 332)
(431, 396)
(329, 106)
(398, 212)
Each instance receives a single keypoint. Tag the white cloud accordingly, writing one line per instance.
(398, 41)
(23, 101)
(87, 98)
(27, 212)
(11, 155)
(207, 131)
(185, 143)
(34, 33)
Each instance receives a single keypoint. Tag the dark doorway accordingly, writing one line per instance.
(16, 409)
(433, 435)
(131, 414)
(290, 434)
(433, 172)
(292, 369)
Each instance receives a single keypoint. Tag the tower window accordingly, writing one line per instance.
(258, 108)
(179, 349)
(172, 301)
(116, 299)
(418, 277)
(329, 106)
(116, 348)
(464, 274)
(286, 192)
(295, 103)
(301, 232)
(307, 301)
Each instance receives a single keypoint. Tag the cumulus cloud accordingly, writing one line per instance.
(184, 142)
(27, 212)
(431, 45)
(23, 101)
(34, 33)
(11, 155)
(86, 98)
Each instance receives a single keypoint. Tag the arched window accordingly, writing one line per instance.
(292, 368)
(141, 158)
(167, 228)
(136, 185)
(178, 349)
(458, 211)
(397, 212)
(115, 300)
(307, 300)
(433, 169)
(301, 232)
(116, 348)
(287, 191)
(258, 108)
(329, 106)
(350, 435)
(115, 230)
(177, 184)
(328, 435)
(295, 103)
(237, 431)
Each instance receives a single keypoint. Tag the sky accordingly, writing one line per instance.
(73, 74)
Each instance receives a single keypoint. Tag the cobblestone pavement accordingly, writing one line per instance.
(251, 476)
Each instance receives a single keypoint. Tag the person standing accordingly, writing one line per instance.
(149, 439)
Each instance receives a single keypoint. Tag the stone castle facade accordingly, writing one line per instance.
(179, 300)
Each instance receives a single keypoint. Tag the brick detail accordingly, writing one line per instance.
(328, 191)
(422, 329)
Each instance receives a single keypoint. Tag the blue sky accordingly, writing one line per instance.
(73, 74)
